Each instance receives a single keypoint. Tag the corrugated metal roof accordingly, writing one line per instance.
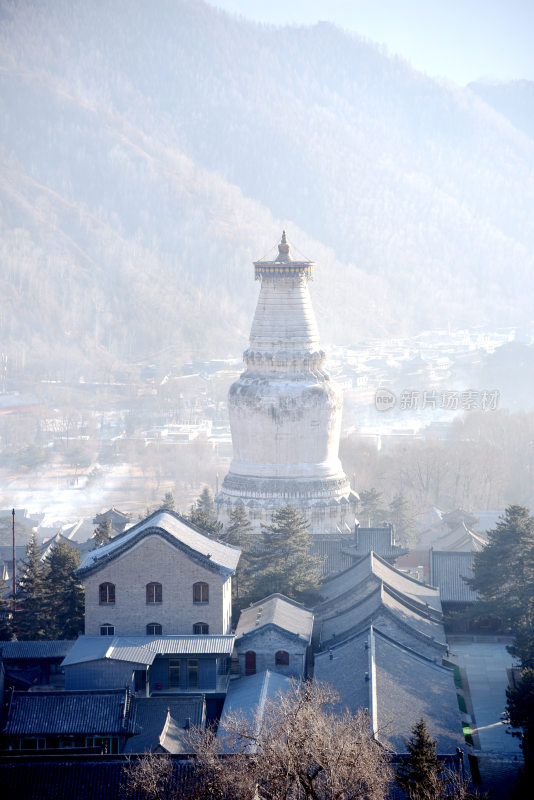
(66, 713)
(36, 649)
(447, 570)
(175, 529)
(276, 610)
(144, 649)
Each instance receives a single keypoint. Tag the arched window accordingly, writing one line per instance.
(154, 629)
(281, 658)
(250, 662)
(106, 593)
(201, 592)
(107, 630)
(154, 593)
(201, 629)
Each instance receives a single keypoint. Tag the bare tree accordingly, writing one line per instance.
(298, 749)
(149, 776)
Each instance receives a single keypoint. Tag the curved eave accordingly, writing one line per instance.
(107, 558)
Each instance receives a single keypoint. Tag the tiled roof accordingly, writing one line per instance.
(408, 687)
(67, 713)
(162, 722)
(354, 583)
(276, 610)
(144, 649)
(211, 552)
(447, 570)
(81, 778)
(396, 684)
(384, 608)
(36, 649)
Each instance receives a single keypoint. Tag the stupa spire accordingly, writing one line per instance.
(284, 253)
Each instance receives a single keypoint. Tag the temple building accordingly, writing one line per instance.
(285, 416)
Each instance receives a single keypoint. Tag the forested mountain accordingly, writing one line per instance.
(150, 151)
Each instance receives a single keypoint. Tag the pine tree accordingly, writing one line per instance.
(168, 502)
(31, 618)
(281, 560)
(503, 574)
(237, 532)
(419, 774)
(102, 534)
(520, 706)
(402, 521)
(203, 513)
(65, 593)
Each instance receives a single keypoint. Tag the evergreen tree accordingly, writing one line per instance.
(102, 534)
(503, 575)
(168, 502)
(281, 560)
(203, 513)
(237, 532)
(31, 618)
(65, 593)
(419, 774)
(372, 513)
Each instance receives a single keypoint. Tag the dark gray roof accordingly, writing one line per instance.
(384, 608)
(212, 553)
(447, 570)
(408, 687)
(279, 611)
(144, 649)
(67, 713)
(162, 722)
(343, 590)
(396, 684)
(36, 649)
(81, 777)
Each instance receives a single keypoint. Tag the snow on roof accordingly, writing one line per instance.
(276, 610)
(175, 530)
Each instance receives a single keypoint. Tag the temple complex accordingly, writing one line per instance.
(285, 415)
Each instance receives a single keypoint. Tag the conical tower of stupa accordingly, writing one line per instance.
(285, 414)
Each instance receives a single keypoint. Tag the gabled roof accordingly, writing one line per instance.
(162, 722)
(389, 612)
(279, 611)
(211, 553)
(67, 713)
(447, 570)
(396, 684)
(344, 589)
(144, 649)
(36, 649)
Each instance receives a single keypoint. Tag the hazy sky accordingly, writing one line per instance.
(460, 39)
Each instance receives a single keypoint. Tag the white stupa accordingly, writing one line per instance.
(285, 414)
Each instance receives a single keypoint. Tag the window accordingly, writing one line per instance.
(201, 628)
(174, 672)
(201, 592)
(192, 673)
(154, 629)
(250, 662)
(107, 630)
(281, 658)
(154, 593)
(106, 593)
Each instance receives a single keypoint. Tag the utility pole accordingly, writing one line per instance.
(14, 561)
